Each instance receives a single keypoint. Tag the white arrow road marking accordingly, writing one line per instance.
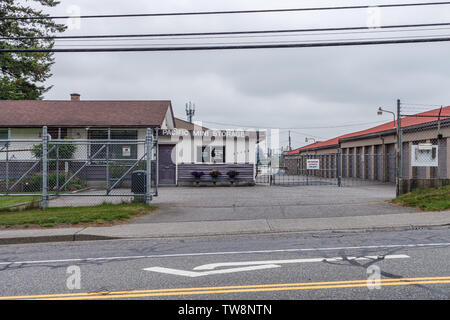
(252, 263)
(258, 265)
(194, 274)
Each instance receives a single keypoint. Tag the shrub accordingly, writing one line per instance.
(215, 173)
(117, 170)
(197, 174)
(34, 184)
(232, 174)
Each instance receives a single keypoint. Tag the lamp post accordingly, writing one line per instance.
(309, 139)
(381, 110)
(399, 148)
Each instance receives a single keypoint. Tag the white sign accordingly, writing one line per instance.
(425, 155)
(312, 164)
(126, 151)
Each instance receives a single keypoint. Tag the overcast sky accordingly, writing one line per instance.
(284, 88)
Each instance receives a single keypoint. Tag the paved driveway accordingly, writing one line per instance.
(276, 202)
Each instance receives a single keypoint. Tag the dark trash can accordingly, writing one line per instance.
(139, 182)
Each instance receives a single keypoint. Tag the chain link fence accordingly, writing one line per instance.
(422, 161)
(75, 172)
(344, 169)
(424, 155)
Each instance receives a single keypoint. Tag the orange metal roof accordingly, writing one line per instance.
(407, 121)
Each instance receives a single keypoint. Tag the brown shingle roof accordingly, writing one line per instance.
(181, 124)
(84, 113)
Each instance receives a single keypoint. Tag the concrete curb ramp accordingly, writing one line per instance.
(207, 228)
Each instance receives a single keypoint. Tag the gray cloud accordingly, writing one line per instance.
(298, 88)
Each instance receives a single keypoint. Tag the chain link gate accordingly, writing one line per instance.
(77, 172)
(307, 170)
(348, 167)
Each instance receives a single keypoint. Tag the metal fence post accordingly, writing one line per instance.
(307, 171)
(269, 155)
(57, 162)
(338, 167)
(7, 161)
(149, 147)
(44, 200)
(107, 161)
(157, 162)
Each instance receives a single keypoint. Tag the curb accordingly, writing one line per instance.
(75, 237)
(55, 238)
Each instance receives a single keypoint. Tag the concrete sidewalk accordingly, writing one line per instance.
(231, 227)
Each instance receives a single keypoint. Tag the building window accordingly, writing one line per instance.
(211, 154)
(3, 134)
(54, 133)
(116, 151)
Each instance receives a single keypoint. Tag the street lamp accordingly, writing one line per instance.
(381, 110)
(309, 139)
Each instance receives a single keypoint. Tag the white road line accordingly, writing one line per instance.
(225, 253)
(257, 265)
(212, 266)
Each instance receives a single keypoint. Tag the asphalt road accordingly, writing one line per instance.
(276, 266)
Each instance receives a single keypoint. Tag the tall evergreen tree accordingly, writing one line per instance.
(22, 75)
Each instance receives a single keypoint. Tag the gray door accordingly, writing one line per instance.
(167, 168)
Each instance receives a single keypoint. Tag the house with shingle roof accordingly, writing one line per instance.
(183, 147)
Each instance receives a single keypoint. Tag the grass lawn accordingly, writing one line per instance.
(435, 199)
(102, 214)
(11, 201)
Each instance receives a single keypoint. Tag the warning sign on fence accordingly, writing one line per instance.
(313, 164)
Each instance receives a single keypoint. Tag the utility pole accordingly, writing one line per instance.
(399, 148)
(190, 111)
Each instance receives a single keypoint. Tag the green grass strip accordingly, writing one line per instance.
(12, 201)
(434, 199)
(105, 213)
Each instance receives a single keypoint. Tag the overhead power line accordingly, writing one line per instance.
(421, 104)
(250, 42)
(303, 128)
(220, 33)
(234, 47)
(395, 5)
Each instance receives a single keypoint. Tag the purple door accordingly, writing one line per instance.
(167, 168)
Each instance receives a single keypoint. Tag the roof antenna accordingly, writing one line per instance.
(190, 111)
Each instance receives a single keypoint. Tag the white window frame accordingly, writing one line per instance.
(211, 147)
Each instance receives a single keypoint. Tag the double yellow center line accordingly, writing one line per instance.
(233, 289)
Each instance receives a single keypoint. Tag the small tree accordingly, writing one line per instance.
(62, 151)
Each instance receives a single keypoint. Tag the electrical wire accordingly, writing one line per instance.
(394, 5)
(253, 42)
(303, 128)
(229, 47)
(219, 33)
(421, 104)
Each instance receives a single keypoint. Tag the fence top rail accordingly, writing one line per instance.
(72, 141)
(20, 140)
